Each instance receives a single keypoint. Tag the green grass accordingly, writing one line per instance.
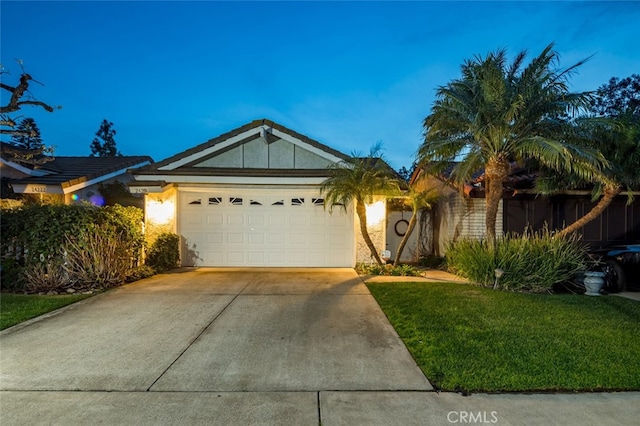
(472, 339)
(17, 308)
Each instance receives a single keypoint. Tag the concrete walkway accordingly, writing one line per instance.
(242, 347)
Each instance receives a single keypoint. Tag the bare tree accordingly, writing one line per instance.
(19, 97)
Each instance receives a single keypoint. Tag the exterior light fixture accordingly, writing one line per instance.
(160, 212)
(376, 213)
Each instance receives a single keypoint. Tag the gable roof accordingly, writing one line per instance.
(224, 155)
(69, 173)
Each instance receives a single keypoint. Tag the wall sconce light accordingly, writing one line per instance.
(376, 213)
(160, 212)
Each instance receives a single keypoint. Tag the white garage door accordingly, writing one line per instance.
(264, 227)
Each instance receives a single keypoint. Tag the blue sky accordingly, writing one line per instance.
(171, 75)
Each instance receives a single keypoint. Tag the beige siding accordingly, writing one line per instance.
(463, 217)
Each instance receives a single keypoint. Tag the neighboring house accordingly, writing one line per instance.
(68, 179)
(251, 197)
(462, 213)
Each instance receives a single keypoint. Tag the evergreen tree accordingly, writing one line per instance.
(104, 144)
(27, 136)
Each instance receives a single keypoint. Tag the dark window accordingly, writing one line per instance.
(214, 201)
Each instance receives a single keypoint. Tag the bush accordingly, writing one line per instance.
(97, 260)
(44, 277)
(433, 262)
(394, 270)
(141, 272)
(35, 237)
(11, 275)
(531, 262)
(164, 254)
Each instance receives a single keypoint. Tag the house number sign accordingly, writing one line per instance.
(36, 189)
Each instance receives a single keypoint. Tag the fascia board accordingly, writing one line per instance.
(23, 169)
(102, 178)
(308, 147)
(259, 180)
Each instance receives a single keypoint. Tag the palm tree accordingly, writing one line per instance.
(497, 113)
(619, 141)
(359, 179)
(418, 201)
(614, 129)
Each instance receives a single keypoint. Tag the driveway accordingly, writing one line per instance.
(246, 347)
(285, 333)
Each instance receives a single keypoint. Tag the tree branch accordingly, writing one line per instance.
(17, 93)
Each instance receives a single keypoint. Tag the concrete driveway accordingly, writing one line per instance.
(273, 346)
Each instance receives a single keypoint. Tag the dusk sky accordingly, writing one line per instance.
(171, 75)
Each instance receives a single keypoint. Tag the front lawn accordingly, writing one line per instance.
(17, 308)
(473, 339)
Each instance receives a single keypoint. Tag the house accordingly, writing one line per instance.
(251, 198)
(67, 179)
(461, 212)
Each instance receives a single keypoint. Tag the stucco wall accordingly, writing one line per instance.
(153, 229)
(377, 232)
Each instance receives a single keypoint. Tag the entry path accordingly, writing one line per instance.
(243, 347)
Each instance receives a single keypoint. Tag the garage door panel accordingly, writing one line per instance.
(193, 237)
(236, 257)
(256, 220)
(256, 257)
(277, 220)
(256, 227)
(317, 239)
(256, 238)
(297, 238)
(235, 238)
(298, 220)
(215, 237)
(215, 257)
(235, 219)
(337, 240)
(215, 219)
(276, 239)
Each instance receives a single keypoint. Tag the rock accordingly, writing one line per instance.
(70, 290)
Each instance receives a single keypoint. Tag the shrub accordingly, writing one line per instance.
(531, 262)
(34, 232)
(11, 275)
(164, 254)
(45, 276)
(141, 272)
(97, 260)
(395, 270)
(433, 262)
